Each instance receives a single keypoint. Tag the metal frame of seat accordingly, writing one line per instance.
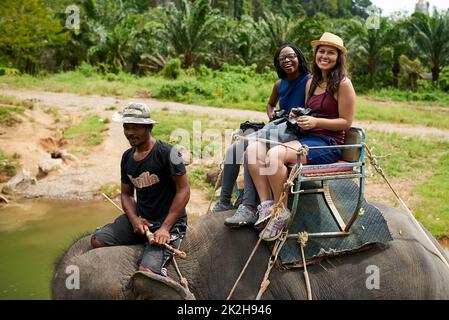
(353, 157)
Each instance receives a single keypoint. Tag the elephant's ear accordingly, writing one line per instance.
(151, 286)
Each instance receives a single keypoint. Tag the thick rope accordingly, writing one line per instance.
(379, 170)
(302, 151)
(278, 207)
(274, 256)
(182, 279)
(244, 268)
(303, 237)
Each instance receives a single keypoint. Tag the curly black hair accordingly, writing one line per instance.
(302, 61)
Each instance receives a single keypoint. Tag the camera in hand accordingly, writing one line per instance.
(279, 114)
(292, 125)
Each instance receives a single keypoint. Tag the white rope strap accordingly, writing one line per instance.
(274, 255)
(244, 268)
(303, 237)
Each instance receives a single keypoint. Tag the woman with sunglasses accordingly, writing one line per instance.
(289, 92)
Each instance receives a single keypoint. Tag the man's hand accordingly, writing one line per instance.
(138, 225)
(161, 236)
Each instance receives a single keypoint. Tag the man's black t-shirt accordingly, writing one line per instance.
(152, 178)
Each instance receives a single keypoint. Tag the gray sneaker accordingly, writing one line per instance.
(275, 226)
(243, 216)
(219, 207)
(264, 214)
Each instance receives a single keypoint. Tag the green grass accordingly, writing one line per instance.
(110, 189)
(237, 87)
(433, 210)
(233, 87)
(197, 180)
(9, 115)
(422, 96)
(88, 133)
(427, 161)
(13, 101)
(411, 114)
(8, 166)
(405, 156)
(172, 123)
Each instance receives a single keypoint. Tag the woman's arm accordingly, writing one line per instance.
(346, 108)
(274, 98)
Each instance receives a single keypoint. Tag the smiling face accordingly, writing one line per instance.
(326, 57)
(137, 134)
(288, 61)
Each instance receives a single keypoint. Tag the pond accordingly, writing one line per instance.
(33, 234)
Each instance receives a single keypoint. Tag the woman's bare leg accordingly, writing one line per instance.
(256, 156)
(278, 158)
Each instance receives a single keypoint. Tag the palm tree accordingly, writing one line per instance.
(431, 34)
(370, 52)
(189, 29)
(276, 29)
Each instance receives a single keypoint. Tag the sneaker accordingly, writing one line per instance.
(264, 213)
(219, 207)
(275, 226)
(242, 217)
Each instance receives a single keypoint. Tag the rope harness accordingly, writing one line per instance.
(182, 280)
(303, 236)
(276, 210)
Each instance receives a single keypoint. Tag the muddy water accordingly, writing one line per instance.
(34, 232)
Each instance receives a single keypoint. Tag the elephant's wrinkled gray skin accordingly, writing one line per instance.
(408, 267)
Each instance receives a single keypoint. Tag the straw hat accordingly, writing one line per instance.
(330, 39)
(134, 112)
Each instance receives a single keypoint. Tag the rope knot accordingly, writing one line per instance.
(288, 184)
(303, 237)
(303, 150)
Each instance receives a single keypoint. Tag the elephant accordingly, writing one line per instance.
(408, 267)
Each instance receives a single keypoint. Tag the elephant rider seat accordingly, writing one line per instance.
(351, 166)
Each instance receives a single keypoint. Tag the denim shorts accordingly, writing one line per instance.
(120, 232)
(320, 156)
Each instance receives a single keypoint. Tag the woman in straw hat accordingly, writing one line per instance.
(331, 98)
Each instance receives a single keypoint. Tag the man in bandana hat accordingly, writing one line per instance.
(156, 172)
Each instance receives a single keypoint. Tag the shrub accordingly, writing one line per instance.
(180, 90)
(172, 69)
(87, 69)
(4, 71)
(443, 81)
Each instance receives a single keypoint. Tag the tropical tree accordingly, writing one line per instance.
(411, 71)
(370, 52)
(189, 29)
(431, 39)
(27, 30)
(276, 29)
